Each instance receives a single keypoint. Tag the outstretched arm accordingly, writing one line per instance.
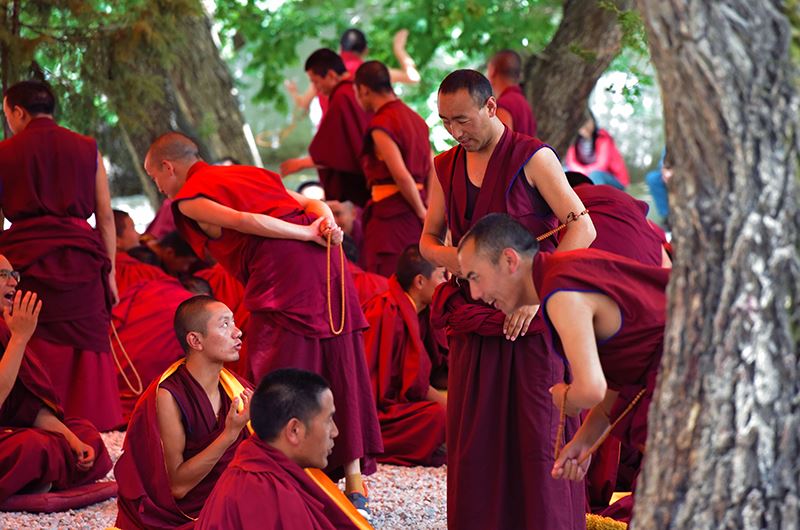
(407, 73)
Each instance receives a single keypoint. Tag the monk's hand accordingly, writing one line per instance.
(24, 315)
(84, 453)
(517, 323)
(112, 286)
(400, 39)
(329, 226)
(568, 466)
(239, 413)
(314, 232)
(558, 392)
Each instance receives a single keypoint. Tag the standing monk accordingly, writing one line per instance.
(500, 425)
(513, 109)
(52, 181)
(397, 164)
(336, 147)
(272, 240)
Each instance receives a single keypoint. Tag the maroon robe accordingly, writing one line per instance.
(338, 144)
(435, 341)
(263, 489)
(32, 457)
(48, 178)
(367, 284)
(390, 224)
(285, 293)
(500, 419)
(144, 499)
(400, 371)
(163, 223)
(514, 101)
(144, 321)
(130, 271)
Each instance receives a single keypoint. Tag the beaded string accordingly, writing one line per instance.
(571, 217)
(334, 330)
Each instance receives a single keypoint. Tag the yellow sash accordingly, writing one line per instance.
(384, 191)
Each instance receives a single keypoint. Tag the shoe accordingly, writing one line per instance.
(361, 502)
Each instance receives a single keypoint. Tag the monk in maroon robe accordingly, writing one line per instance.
(411, 411)
(397, 165)
(265, 486)
(186, 426)
(339, 140)
(500, 425)
(40, 449)
(272, 240)
(504, 71)
(607, 313)
(52, 180)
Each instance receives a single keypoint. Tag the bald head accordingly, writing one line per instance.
(507, 64)
(173, 146)
(375, 76)
(192, 316)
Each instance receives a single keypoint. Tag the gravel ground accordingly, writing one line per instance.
(402, 498)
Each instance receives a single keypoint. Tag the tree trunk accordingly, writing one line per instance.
(587, 40)
(724, 429)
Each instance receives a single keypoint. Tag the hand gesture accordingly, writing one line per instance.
(516, 324)
(85, 454)
(559, 393)
(567, 466)
(329, 226)
(236, 419)
(24, 315)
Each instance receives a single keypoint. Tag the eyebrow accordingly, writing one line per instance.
(471, 275)
(453, 117)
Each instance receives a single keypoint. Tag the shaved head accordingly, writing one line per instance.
(173, 146)
(192, 316)
(508, 64)
(375, 76)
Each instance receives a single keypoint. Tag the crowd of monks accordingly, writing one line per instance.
(479, 308)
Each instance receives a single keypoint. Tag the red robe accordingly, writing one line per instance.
(367, 284)
(400, 371)
(144, 321)
(48, 177)
(390, 224)
(338, 144)
(285, 293)
(500, 418)
(130, 271)
(32, 457)
(262, 489)
(607, 158)
(144, 499)
(514, 101)
(163, 223)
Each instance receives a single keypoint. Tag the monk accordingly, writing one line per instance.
(504, 71)
(40, 449)
(265, 486)
(411, 411)
(186, 426)
(607, 314)
(500, 425)
(272, 240)
(397, 164)
(339, 140)
(127, 236)
(128, 270)
(52, 180)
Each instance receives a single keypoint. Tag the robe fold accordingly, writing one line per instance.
(337, 145)
(514, 101)
(144, 499)
(501, 423)
(285, 293)
(32, 457)
(129, 271)
(390, 224)
(47, 187)
(367, 284)
(144, 319)
(263, 489)
(400, 369)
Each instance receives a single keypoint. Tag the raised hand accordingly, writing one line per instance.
(24, 315)
(517, 323)
(237, 419)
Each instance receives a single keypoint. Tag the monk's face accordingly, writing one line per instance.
(429, 285)
(164, 175)
(467, 122)
(494, 283)
(344, 213)
(316, 444)
(323, 84)
(130, 237)
(8, 283)
(222, 340)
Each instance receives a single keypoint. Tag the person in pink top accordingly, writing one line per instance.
(594, 153)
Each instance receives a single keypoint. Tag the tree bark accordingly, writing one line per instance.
(587, 40)
(724, 428)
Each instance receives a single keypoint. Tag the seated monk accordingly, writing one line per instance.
(186, 426)
(411, 412)
(129, 270)
(39, 449)
(265, 485)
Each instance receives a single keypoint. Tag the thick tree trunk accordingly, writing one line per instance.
(724, 431)
(587, 40)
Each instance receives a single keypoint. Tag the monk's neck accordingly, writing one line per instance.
(485, 153)
(416, 301)
(206, 373)
(500, 86)
(383, 100)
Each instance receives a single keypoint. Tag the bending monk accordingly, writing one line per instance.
(186, 426)
(39, 449)
(272, 240)
(265, 486)
(411, 411)
(608, 315)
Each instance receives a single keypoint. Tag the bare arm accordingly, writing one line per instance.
(431, 244)
(436, 396)
(295, 165)
(105, 220)
(387, 150)
(21, 322)
(504, 116)
(407, 73)
(84, 453)
(184, 475)
(320, 209)
(301, 101)
(544, 172)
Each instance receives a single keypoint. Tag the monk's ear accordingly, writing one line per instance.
(193, 339)
(294, 431)
(419, 281)
(511, 259)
